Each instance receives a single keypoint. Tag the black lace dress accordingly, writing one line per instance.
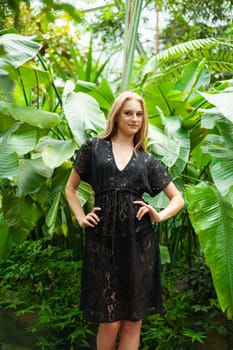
(121, 265)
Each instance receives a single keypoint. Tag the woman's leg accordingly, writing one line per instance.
(130, 335)
(107, 335)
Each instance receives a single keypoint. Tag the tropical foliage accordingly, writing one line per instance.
(51, 102)
(51, 280)
(36, 145)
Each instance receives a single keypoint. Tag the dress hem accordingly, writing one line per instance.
(146, 314)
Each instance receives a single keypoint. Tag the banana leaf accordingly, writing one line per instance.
(35, 117)
(222, 102)
(211, 215)
(220, 148)
(55, 152)
(82, 113)
(17, 50)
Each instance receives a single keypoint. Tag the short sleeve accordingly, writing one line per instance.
(82, 162)
(157, 176)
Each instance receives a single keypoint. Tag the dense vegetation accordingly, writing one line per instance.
(53, 94)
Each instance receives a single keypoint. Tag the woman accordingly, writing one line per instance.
(121, 265)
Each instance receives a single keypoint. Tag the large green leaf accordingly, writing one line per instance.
(82, 112)
(222, 101)
(163, 97)
(220, 148)
(8, 157)
(20, 217)
(171, 145)
(55, 152)
(162, 146)
(21, 143)
(20, 214)
(104, 95)
(52, 213)
(181, 135)
(164, 253)
(32, 174)
(216, 146)
(7, 86)
(8, 165)
(195, 75)
(60, 177)
(86, 193)
(35, 117)
(32, 76)
(211, 215)
(5, 239)
(17, 49)
(222, 174)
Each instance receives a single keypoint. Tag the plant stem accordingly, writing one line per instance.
(133, 12)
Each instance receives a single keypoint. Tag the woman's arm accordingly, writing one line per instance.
(175, 204)
(91, 219)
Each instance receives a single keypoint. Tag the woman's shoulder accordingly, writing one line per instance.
(149, 159)
(96, 139)
(145, 154)
(94, 143)
(90, 141)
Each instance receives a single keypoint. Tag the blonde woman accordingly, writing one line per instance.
(121, 264)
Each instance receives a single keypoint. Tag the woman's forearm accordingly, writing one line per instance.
(173, 207)
(75, 204)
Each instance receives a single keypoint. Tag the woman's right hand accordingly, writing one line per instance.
(91, 219)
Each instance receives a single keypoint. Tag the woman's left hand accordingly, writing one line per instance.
(147, 209)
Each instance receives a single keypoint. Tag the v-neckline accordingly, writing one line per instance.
(114, 159)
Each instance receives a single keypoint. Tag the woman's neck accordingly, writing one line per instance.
(123, 140)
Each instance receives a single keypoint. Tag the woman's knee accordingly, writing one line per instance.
(112, 327)
(131, 327)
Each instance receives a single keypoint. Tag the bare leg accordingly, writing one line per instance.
(106, 336)
(130, 335)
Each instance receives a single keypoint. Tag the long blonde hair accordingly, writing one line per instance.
(111, 129)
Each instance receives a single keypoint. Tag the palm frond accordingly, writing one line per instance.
(184, 48)
(168, 65)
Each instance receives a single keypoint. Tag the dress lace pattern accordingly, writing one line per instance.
(121, 265)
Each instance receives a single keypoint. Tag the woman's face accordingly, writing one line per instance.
(130, 117)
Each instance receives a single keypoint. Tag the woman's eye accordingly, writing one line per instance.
(129, 113)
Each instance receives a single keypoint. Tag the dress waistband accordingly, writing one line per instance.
(116, 199)
(117, 190)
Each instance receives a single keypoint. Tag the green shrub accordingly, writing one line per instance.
(43, 280)
(191, 311)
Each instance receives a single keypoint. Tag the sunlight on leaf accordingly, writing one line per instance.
(55, 152)
(18, 49)
(212, 218)
(222, 101)
(82, 112)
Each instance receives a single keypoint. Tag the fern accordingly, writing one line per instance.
(168, 65)
(184, 48)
